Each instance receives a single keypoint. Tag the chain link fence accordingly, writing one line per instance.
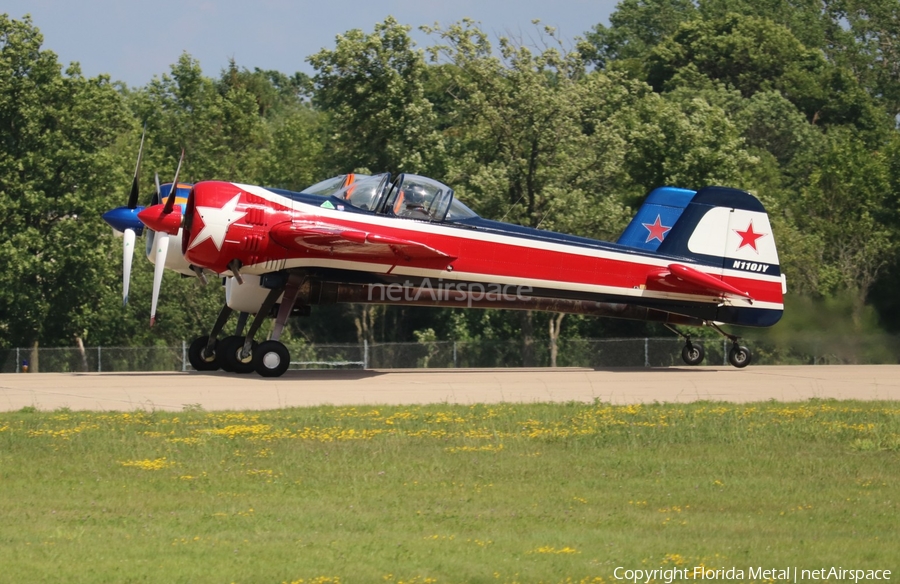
(595, 353)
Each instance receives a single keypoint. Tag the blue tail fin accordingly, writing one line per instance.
(656, 217)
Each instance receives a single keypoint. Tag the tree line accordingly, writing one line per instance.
(796, 101)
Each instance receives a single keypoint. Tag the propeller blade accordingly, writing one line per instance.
(133, 197)
(170, 202)
(162, 249)
(127, 256)
(158, 198)
(162, 238)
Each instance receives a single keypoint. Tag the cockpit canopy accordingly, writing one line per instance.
(409, 196)
(330, 186)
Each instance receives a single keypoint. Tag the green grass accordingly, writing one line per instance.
(508, 493)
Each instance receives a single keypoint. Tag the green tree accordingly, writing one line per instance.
(747, 53)
(273, 91)
(527, 135)
(689, 143)
(527, 138)
(218, 125)
(755, 55)
(769, 122)
(815, 23)
(372, 88)
(873, 49)
(884, 293)
(57, 170)
(294, 159)
(847, 209)
(635, 28)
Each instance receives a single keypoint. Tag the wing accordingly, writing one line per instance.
(692, 281)
(339, 240)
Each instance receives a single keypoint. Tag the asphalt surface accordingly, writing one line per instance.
(224, 391)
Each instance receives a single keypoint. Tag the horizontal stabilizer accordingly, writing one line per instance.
(680, 273)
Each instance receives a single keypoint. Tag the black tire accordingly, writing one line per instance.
(234, 357)
(226, 347)
(739, 356)
(197, 355)
(693, 353)
(271, 359)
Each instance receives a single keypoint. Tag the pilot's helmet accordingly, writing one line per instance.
(414, 195)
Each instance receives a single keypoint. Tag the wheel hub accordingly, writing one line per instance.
(271, 360)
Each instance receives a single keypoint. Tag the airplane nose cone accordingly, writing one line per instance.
(122, 218)
(157, 219)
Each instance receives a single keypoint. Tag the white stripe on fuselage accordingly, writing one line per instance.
(456, 276)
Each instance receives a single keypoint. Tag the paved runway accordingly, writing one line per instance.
(223, 391)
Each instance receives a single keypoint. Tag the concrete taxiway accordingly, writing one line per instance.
(224, 391)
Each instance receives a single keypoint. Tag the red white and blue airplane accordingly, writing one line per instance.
(696, 258)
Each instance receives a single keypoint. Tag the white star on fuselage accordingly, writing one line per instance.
(216, 222)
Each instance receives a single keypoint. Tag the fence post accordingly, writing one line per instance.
(18, 361)
(646, 352)
(724, 352)
(183, 356)
(454, 354)
(99, 359)
(365, 353)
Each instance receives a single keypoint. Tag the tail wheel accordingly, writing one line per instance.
(233, 355)
(693, 353)
(271, 359)
(198, 357)
(739, 356)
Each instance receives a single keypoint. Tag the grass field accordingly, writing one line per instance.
(508, 493)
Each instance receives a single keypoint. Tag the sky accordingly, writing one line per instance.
(134, 41)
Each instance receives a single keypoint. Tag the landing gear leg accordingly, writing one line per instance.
(692, 353)
(738, 355)
(271, 358)
(241, 323)
(239, 355)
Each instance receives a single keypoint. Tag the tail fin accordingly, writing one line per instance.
(726, 233)
(656, 217)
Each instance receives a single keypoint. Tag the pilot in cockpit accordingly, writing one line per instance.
(411, 203)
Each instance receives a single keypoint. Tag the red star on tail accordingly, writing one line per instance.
(657, 230)
(749, 237)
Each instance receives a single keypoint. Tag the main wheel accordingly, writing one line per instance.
(739, 356)
(233, 355)
(271, 359)
(200, 361)
(693, 353)
(225, 348)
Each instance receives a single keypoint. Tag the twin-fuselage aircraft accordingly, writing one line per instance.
(696, 258)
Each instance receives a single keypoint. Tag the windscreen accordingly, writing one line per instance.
(364, 193)
(332, 185)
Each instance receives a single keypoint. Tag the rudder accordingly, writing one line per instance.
(656, 217)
